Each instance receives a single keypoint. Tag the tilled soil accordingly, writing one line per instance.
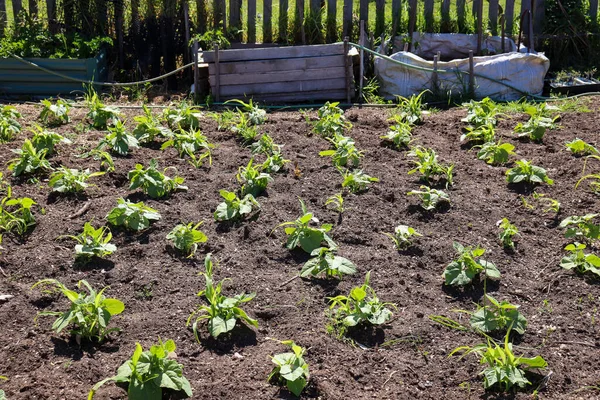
(405, 359)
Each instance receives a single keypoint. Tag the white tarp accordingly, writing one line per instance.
(453, 45)
(523, 71)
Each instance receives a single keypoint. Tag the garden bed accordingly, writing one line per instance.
(407, 358)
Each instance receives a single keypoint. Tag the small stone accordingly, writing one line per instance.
(238, 356)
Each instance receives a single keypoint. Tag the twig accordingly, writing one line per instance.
(388, 379)
(81, 211)
(289, 280)
(3, 273)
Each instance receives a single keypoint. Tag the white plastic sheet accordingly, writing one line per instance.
(453, 45)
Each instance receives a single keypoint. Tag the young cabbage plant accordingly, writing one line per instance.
(15, 214)
(468, 265)
(580, 147)
(92, 243)
(29, 160)
(300, 234)
(185, 238)
(68, 180)
(234, 208)
(151, 374)
(344, 151)
(256, 115)
(402, 236)
(89, 313)
(579, 261)
(193, 144)
(504, 370)
(148, 127)
(581, 227)
(119, 140)
(132, 216)
(430, 198)
(495, 153)
(507, 232)
(356, 181)
(184, 117)
(399, 135)
(481, 113)
(325, 260)
(290, 369)
(410, 110)
(221, 312)
(360, 307)
(152, 182)
(479, 134)
(428, 166)
(496, 316)
(527, 173)
(253, 181)
(55, 114)
(45, 140)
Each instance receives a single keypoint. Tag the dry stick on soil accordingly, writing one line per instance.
(3, 273)
(289, 280)
(81, 211)
(388, 379)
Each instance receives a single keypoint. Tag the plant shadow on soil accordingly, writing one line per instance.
(473, 291)
(71, 349)
(241, 336)
(93, 264)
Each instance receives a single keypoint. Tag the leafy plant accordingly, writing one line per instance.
(184, 117)
(360, 307)
(579, 261)
(45, 140)
(133, 216)
(152, 182)
(535, 127)
(495, 153)
(430, 198)
(15, 214)
(92, 242)
(290, 368)
(581, 227)
(185, 237)
(526, 172)
(495, 316)
(191, 143)
(325, 260)
(148, 127)
(29, 160)
(481, 113)
(356, 181)
(331, 121)
(100, 115)
(273, 163)
(256, 115)
(119, 140)
(468, 265)
(410, 110)
(481, 134)
(581, 148)
(222, 312)
(503, 369)
(90, 313)
(399, 135)
(300, 234)
(55, 114)
(9, 126)
(428, 166)
(595, 178)
(149, 373)
(253, 181)
(508, 231)
(344, 151)
(337, 201)
(67, 180)
(402, 236)
(244, 129)
(265, 145)
(234, 208)
(107, 163)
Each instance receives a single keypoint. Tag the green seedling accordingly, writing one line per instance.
(356, 181)
(184, 117)
(193, 144)
(185, 238)
(107, 163)
(234, 208)
(273, 163)
(507, 232)
(581, 148)
(152, 182)
(579, 261)
(45, 140)
(148, 127)
(428, 166)
(55, 114)
(410, 110)
(67, 180)
(256, 115)
(244, 129)
(92, 243)
(496, 316)
(495, 153)
(594, 182)
(29, 160)
(119, 140)
(399, 135)
(581, 227)
(468, 265)
(324, 260)
(15, 214)
(265, 145)
(535, 128)
(132, 216)
(336, 201)
(527, 173)
(331, 121)
(479, 134)
(430, 198)
(344, 151)
(402, 236)
(9, 126)
(253, 181)
(290, 369)
(100, 115)
(481, 113)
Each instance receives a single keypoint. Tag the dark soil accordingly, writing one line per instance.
(405, 359)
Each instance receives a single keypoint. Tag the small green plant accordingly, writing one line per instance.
(481, 113)
(225, 119)
(107, 163)
(507, 232)
(579, 261)
(581, 227)
(15, 214)
(29, 160)
(410, 110)
(344, 151)
(504, 370)
(244, 129)
(68, 180)
(92, 243)
(399, 135)
(552, 205)
(119, 140)
(594, 182)
(148, 127)
(325, 260)
(265, 145)
(430, 198)
(497, 316)
(150, 374)
(132, 216)
(428, 166)
(581, 148)
(222, 312)
(55, 114)
(184, 117)
(273, 163)
(468, 265)
(193, 144)
(356, 181)
(253, 181)
(256, 115)
(300, 234)
(495, 153)
(360, 307)
(528, 173)
(100, 115)
(331, 121)
(234, 208)
(479, 134)
(402, 236)
(152, 182)
(336, 201)
(185, 238)
(9, 126)
(45, 140)
(535, 128)
(290, 369)
(90, 313)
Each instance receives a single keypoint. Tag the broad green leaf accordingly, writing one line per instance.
(296, 386)
(113, 306)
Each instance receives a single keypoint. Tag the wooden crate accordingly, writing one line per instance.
(282, 74)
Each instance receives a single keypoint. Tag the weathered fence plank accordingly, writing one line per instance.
(299, 22)
(17, 7)
(445, 11)
(539, 11)
(379, 17)
(331, 24)
(493, 16)
(270, 53)
(201, 16)
(593, 11)
(428, 12)
(461, 16)
(347, 19)
(364, 11)
(251, 21)
(283, 20)
(396, 16)
(284, 87)
(509, 15)
(235, 18)
(279, 76)
(33, 8)
(288, 64)
(267, 21)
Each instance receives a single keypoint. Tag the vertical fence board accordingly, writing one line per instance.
(539, 11)
(235, 18)
(413, 6)
(251, 21)
(201, 18)
(332, 21)
(299, 22)
(364, 12)
(461, 16)
(119, 25)
(396, 16)
(2, 17)
(217, 14)
(509, 16)
(267, 21)
(593, 11)
(428, 11)
(33, 8)
(135, 17)
(445, 27)
(313, 24)
(379, 17)
(475, 8)
(493, 16)
(17, 7)
(347, 18)
(525, 5)
(283, 20)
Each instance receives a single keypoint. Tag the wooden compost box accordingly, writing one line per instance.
(282, 74)
(18, 78)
